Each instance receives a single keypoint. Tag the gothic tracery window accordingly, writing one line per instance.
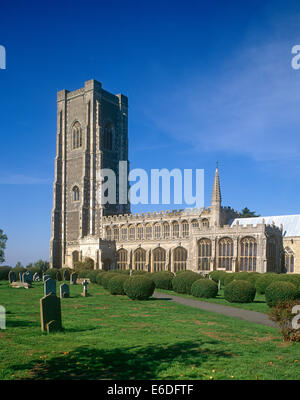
(166, 230)
(122, 259)
(185, 229)
(159, 259)
(289, 260)
(248, 254)
(175, 227)
(179, 259)
(76, 136)
(225, 253)
(140, 259)
(204, 254)
(148, 232)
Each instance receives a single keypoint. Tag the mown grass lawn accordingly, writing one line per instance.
(259, 304)
(113, 337)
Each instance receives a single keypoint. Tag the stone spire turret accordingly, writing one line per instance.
(216, 200)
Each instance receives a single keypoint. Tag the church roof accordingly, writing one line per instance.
(290, 223)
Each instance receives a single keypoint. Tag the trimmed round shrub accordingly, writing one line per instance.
(99, 277)
(264, 281)
(106, 278)
(182, 283)
(4, 273)
(163, 279)
(123, 271)
(280, 291)
(217, 276)
(294, 279)
(92, 275)
(206, 288)
(139, 287)
(134, 272)
(239, 292)
(229, 278)
(116, 284)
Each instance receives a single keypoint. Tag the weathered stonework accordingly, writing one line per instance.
(92, 133)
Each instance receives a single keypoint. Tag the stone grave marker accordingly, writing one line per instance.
(73, 278)
(50, 310)
(49, 286)
(64, 291)
(11, 277)
(66, 275)
(219, 285)
(27, 277)
(36, 277)
(85, 292)
(45, 277)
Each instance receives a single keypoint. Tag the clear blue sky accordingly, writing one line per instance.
(206, 81)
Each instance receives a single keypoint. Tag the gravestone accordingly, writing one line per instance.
(36, 277)
(11, 277)
(219, 285)
(27, 277)
(85, 292)
(45, 277)
(20, 285)
(49, 286)
(73, 278)
(66, 275)
(21, 277)
(2, 318)
(64, 291)
(50, 310)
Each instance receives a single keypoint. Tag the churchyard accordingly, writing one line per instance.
(107, 336)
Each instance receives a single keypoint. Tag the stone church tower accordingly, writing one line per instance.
(92, 134)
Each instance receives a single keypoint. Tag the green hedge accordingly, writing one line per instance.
(106, 278)
(280, 291)
(291, 278)
(231, 276)
(264, 281)
(217, 276)
(99, 276)
(4, 271)
(239, 292)
(182, 283)
(116, 284)
(163, 279)
(205, 288)
(139, 287)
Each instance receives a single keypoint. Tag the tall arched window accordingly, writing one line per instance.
(204, 254)
(248, 254)
(124, 233)
(116, 233)
(108, 136)
(75, 193)
(166, 230)
(157, 231)
(148, 232)
(289, 260)
(205, 223)
(140, 232)
(179, 259)
(76, 136)
(132, 232)
(185, 229)
(159, 259)
(175, 227)
(140, 259)
(122, 259)
(225, 254)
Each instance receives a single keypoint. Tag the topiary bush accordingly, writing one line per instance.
(182, 283)
(280, 291)
(4, 271)
(116, 284)
(163, 279)
(204, 288)
(139, 287)
(106, 278)
(264, 281)
(295, 279)
(217, 276)
(229, 278)
(92, 275)
(99, 277)
(239, 292)
(135, 272)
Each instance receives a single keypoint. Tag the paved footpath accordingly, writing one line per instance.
(247, 315)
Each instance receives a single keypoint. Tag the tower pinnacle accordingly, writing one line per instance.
(216, 193)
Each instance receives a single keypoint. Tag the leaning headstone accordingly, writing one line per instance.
(219, 285)
(2, 318)
(66, 275)
(27, 277)
(50, 310)
(64, 291)
(73, 278)
(49, 286)
(45, 277)
(36, 277)
(11, 277)
(85, 292)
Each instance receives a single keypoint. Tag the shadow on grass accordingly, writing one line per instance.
(124, 363)
(17, 323)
